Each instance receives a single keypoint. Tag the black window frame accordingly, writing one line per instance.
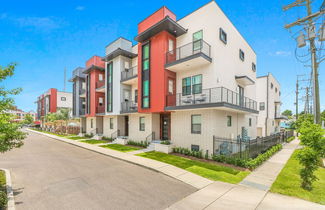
(221, 33)
(229, 121)
(145, 75)
(195, 147)
(192, 125)
(262, 104)
(253, 67)
(241, 55)
(193, 86)
(187, 90)
(142, 126)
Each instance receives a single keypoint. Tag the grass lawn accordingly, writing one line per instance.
(92, 141)
(288, 183)
(77, 138)
(119, 147)
(208, 170)
(2, 182)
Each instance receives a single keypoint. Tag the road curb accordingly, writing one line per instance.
(10, 193)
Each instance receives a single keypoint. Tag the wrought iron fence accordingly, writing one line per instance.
(129, 73)
(192, 48)
(247, 149)
(212, 95)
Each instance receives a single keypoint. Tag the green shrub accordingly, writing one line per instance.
(188, 152)
(290, 139)
(254, 163)
(3, 200)
(230, 160)
(89, 135)
(165, 142)
(206, 156)
(107, 138)
(143, 144)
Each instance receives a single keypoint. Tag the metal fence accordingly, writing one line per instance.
(129, 73)
(247, 149)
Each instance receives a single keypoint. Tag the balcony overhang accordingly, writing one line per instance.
(166, 24)
(119, 52)
(93, 67)
(219, 105)
(130, 81)
(244, 80)
(192, 61)
(101, 89)
(282, 117)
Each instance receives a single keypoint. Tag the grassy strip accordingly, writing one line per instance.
(288, 182)
(94, 141)
(3, 192)
(77, 138)
(119, 147)
(211, 171)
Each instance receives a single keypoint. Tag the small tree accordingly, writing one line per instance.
(287, 113)
(10, 135)
(29, 119)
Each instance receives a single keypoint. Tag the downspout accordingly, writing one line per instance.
(267, 104)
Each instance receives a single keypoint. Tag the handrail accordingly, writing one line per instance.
(150, 137)
(115, 134)
(129, 106)
(129, 73)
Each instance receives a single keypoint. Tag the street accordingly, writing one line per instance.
(48, 174)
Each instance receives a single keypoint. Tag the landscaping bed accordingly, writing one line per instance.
(3, 190)
(208, 170)
(288, 182)
(121, 148)
(93, 141)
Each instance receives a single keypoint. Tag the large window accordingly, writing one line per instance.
(186, 86)
(141, 123)
(146, 75)
(223, 36)
(197, 84)
(197, 41)
(196, 124)
(109, 81)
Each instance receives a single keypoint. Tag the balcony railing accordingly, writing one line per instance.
(193, 48)
(100, 83)
(82, 91)
(129, 106)
(100, 109)
(129, 73)
(210, 96)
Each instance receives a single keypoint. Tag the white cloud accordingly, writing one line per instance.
(80, 8)
(283, 53)
(43, 23)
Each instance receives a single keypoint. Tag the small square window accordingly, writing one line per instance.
(142, 124)
(63, 98)
(229, 121)
(196, 124)
(276, 90)
(241, 55)
(262, 106)
(253, 67)
(223, 36)
(100, 77)
(195, 147)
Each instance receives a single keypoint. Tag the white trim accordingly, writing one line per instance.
(10, 193)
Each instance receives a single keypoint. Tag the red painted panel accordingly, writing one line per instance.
(93, 94)
(155, 18)
(96, 61)
(53, 99)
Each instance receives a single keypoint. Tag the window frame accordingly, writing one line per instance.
(241, 55)
(262, 104)
(222, 32)
(192, 124)
(142, 125)
(63, 97)
(253, 67)
(145, 77)
(250, 122)
(192, 84)
(229, 121)
(111, 123)
(188, 87)
(195, 147)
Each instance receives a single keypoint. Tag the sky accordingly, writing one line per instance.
(45, 37)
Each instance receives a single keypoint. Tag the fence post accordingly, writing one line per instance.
(240, 152)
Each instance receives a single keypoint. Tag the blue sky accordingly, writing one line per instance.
(44, 37)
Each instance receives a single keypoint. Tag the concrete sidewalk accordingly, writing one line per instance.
(251, 193)
(187, 177)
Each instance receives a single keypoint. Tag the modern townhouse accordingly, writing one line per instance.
(52, 101)
(190, 81)
(268, 93)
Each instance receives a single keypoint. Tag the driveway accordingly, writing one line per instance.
(48, 174)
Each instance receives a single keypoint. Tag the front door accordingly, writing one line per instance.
(126, 121)
(165, 126)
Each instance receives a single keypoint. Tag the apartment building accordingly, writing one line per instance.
(269, 102)
(186, 80)
(20, 114)
(51, 101)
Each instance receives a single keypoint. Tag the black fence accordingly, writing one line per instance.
(250, 148)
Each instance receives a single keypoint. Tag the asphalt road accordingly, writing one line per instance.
(48, 174)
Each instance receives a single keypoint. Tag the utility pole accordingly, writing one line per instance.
(297, 97)
(309, 20)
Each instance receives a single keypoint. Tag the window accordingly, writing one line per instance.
(279, 93)
(141, 124)
(253, 67)
(276, 90)
(197, 40)
(262, 106)
(271, 85)
(223, 36)
(145, 75)
(241, 55)
(195, 147)
(171, 87)
(136, 96)
(229, 121)
(197, 84)
(250, 122)
(101, 101)
(63, 98)
(100, 77)
(109, 81)
(186, 86)
(171, 46)
(196, 124)
(91, 123)
(111, 125)
(126, 65)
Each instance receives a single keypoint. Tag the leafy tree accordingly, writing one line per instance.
(10, 135)
(302, 118)
(323, 115)
(287, 113)
(29, 119)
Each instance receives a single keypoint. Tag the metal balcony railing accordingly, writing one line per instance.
(82, 91)
(212, 95)
(129, 73)
(193, 48)
(82, 112)
(100, 109)
(129, 106)
(100, 83)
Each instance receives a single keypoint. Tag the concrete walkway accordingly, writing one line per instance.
(251, 193)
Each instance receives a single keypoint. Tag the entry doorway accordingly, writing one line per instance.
(126, 124)
(165, 126)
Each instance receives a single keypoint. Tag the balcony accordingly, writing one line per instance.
(100, 86)
(129, 76)
(100, 109)
(82, 93)
(129, 107)
(218, 97)
(82, 112)
(189, 56)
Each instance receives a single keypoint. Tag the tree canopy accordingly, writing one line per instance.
(287, 113)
